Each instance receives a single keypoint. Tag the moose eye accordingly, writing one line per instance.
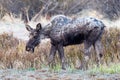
(35, 36)
(35, 33)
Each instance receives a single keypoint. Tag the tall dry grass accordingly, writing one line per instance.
(13, 54)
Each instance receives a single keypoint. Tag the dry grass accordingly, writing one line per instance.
(13, 54)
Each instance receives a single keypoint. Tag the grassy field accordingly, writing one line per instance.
(13, 54)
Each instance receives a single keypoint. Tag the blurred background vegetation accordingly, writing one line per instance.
(33, 8)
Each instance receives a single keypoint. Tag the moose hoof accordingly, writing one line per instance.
(63, 68)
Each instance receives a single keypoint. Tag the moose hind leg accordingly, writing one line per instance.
(87, 49)
(61, 54)
(52, 54)
(99, 50)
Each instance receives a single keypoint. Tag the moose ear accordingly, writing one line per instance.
(38, 27)
(28, 28)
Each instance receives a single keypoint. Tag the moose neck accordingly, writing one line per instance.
(46, 32)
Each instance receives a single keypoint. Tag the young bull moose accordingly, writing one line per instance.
(64, 31)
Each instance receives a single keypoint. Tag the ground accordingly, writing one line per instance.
(44, 74)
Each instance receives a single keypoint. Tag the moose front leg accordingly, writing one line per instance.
(61, 54)
(52, 54)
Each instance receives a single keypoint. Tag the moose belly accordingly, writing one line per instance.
(72, 39)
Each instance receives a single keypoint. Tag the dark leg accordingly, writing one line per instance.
(87, 49)
(61, 54)
(52, 54)
(99, 50)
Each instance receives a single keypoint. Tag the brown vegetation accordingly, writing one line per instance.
(13, 54)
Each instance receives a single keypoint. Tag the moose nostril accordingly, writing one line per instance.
(27, 49)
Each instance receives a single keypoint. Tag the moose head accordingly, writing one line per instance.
(34, 37)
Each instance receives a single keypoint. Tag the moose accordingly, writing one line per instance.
(64, 31)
